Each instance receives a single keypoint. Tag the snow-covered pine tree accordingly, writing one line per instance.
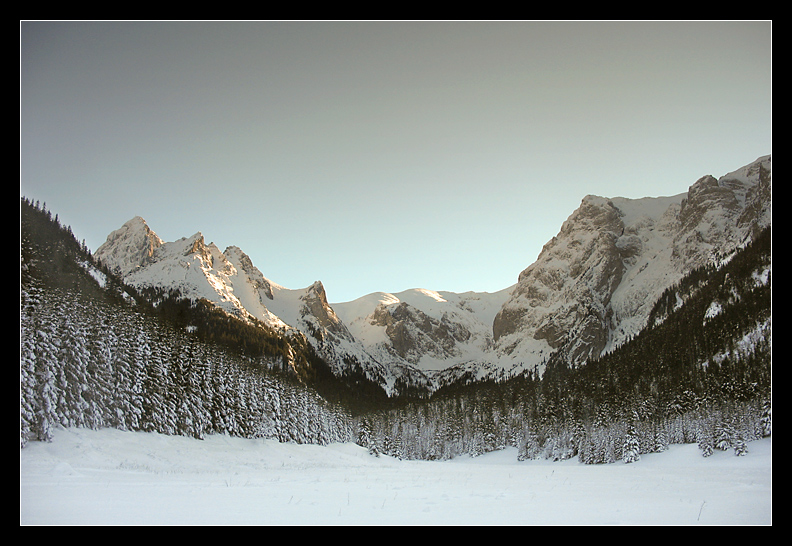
(723, 435)
(766, 419)
(273, 409)
(158, 410)
(365, 437)
(606, 442)
(113, 350)
(102, 352)
(705, 440)
(72, 377)
(30, 299)
(660, 438)
(27, 392)
(221, 420)
(46, 399)
(134, 353)
(47, 342)
(739, 445)
(631, 448)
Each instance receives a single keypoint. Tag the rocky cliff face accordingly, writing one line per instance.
(259, 284)
(423, 329)
(413, 334)
(563, 299)
(594, 283)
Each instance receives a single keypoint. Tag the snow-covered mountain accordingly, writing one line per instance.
(391, 338)
(441, 334)
(229, 280)
(594, 284)
(591, 288)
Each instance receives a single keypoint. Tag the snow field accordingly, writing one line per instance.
(110, 477)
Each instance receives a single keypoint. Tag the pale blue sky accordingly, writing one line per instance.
(380, 156)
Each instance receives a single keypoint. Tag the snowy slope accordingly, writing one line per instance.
(110, 477)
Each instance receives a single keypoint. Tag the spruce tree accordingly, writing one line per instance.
(631, 449)
(704, 439)
(723, 435)
(660, 438)
(739, 445)
(766, 419)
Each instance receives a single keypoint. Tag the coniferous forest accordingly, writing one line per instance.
(96, 353)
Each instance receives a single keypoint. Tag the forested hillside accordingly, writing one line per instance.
(93, 353)
(700, 373)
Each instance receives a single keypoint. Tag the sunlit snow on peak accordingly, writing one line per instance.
(432, 294)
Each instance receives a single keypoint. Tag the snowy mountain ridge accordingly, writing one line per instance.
(591, 288)
(594, 284)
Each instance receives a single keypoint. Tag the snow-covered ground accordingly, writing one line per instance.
(110, 477)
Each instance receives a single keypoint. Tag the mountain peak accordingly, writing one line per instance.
(137, 220)
(594, 283)
(243, 263)
(129, 247)
(196, 245)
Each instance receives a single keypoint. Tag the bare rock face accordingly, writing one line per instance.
(316, 306)
(595, 282)
(413, 334)
(563, 298)
(757, 212)
(716, 215)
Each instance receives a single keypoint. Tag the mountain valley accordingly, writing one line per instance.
(643, 323)
(591, 288)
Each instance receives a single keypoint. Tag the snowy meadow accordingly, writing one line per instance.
(111, 477)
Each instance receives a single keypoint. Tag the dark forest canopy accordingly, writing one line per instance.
(97, 353)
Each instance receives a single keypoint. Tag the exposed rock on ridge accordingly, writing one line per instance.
(413, 334)
(594, 283)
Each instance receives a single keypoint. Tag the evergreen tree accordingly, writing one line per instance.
(46, 392)
(73, 374)
(27, 388)
(705, 439)
(30, 300)
(739, 445)
(660, 439)
(134, 360)
(221, 416)
(631, 450)
(723, 435)
(158, 409)
(101, 363)
(766, 419)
